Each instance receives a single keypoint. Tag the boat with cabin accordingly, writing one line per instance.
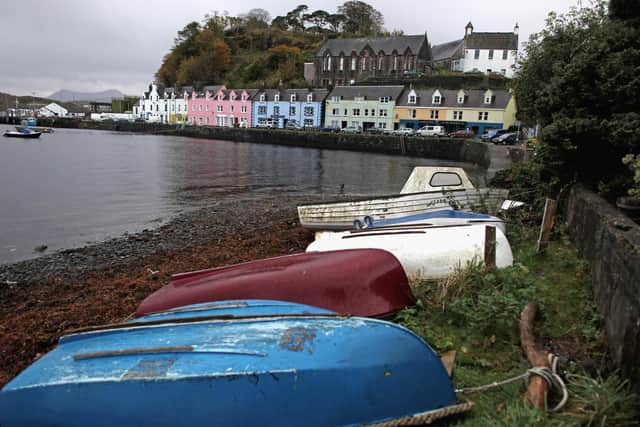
(25, 134)
(427, 189)
(233, 364)
(359, 282)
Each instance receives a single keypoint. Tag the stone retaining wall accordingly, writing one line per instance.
(454, 149)
(610, 242)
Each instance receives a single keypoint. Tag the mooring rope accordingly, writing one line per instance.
(426, 417)
(550, 375)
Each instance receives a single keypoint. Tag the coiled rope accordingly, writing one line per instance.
(550, 375)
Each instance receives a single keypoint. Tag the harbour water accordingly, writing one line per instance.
(75, 187)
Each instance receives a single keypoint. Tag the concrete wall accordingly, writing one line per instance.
(611, 243)
(455, 149)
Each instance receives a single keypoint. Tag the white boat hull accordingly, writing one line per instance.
(341, 215)
(425, 252)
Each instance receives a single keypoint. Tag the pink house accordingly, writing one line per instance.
(219, 106)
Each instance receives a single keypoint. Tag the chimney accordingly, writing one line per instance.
(516, 29)
(468, 29)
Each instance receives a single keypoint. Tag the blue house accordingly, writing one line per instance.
(276, 107)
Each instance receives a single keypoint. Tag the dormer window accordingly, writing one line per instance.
(293, 98)
(412, 99)
(436, 99)
(310, 97)
(461, 99)
(341, 63)
(487, 99)
(384, 100)
(276, 98)
(262, 97)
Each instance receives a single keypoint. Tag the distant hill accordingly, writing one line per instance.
(9, 101)
(69, 95)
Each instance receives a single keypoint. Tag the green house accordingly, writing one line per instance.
(363, 107)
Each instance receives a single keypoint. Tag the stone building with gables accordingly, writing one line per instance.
(346, 61)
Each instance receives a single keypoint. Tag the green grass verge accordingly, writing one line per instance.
(476, 313)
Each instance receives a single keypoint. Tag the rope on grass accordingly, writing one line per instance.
(550, 375)
(426, 417)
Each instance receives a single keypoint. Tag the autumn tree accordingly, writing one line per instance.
(361, 19)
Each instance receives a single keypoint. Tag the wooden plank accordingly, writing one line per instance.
(548, 220)
(489, 246)
(448, 359)
(538, 388)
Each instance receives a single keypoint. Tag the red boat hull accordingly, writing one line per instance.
(359, 282)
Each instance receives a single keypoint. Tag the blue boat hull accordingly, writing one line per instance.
(293, 368)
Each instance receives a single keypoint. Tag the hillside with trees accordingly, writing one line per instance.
(253, 50)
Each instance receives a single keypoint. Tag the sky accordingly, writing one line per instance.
(95, 45)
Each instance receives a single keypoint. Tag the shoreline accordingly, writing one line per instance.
(104, 282)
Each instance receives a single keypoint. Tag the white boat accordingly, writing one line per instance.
(426, 252)
(427, 189)
(438, 218)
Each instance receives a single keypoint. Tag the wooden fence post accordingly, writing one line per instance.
(548, 220)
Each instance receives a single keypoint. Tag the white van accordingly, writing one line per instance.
(431, 130)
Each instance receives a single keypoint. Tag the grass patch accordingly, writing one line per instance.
(476, 311)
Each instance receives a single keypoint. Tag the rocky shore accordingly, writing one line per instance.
(103, 283)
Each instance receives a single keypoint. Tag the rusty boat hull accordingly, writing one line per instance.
(361, 282)
(258, 363)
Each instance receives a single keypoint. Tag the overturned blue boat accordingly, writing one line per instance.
(234, 363)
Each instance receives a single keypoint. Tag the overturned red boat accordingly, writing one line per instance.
(359, 282)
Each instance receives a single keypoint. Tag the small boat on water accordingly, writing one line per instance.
(440, 217)
(426, 252)
(256, 363)
(360, 282)
(427, 189)
(41, 129)
(26, 133)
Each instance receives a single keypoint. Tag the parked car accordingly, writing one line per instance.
(293, 125)
(269, 124)
(375, 131)
(404, 132)
(351, 129)
(506, 138)
(464, 133)
(493, 133)
(329, 129)
(431, 130)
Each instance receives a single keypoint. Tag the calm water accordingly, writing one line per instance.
(74, 187)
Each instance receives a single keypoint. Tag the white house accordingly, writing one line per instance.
(53, 110)
(479, 52)
(163, 105)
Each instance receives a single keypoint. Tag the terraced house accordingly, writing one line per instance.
(200, 106)
(168, 105)
(362, 106)
(280, 108)
(476, 110)
(343, 61)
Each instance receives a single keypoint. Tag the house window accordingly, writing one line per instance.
(383, 113)
(395, 62)
(206, 119)
(276, 98)
(461, 100)
(310, 97)
(200, 120)
(503, 71)
(308, 123)
(412, 114)
(364, 64)
(292, 110)
(341, 63)
(328, 63)
(412, 99)
(384, 100)
(483, 115)
(232, 109)
(244, 97)
(353, 63)
(488, 70)
(436, 99)
(380, 62)
(276, 110)
(262, 98)
(476, 55)
(356, 111)
(206, 107)
(243, 108)
(382, 125)
(335, 99)
(457, 115)
(490, 53)
(262, 109)
(504, 54)
(346, 112)
(293, 98)
(487, 99)
(335, 111)
(435, 114)
(199, 108)
(219, 108)
(366, 111)
(373, 112)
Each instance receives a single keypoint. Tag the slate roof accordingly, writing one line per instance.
(474, 98)
(371, 93)
(499, 41)
(386, 44)
(446, 50)
(285, 94)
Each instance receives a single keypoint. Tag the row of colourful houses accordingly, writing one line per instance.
(383, 107)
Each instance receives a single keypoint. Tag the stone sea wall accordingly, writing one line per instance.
(610, 242)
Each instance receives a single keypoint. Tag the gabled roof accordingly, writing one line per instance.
(499, 41)
(447, 50)
(371, 93)
(386, 44)
(474, 98)
(238, 92)
(285, 94)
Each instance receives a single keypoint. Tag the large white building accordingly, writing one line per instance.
(53, 110)
(479, 52)
(163, 105)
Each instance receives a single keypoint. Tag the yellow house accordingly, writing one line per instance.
(476, 110)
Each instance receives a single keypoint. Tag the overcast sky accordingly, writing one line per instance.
(94, 45)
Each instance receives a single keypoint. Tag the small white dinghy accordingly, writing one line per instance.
(426, 190)
(426, 252)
